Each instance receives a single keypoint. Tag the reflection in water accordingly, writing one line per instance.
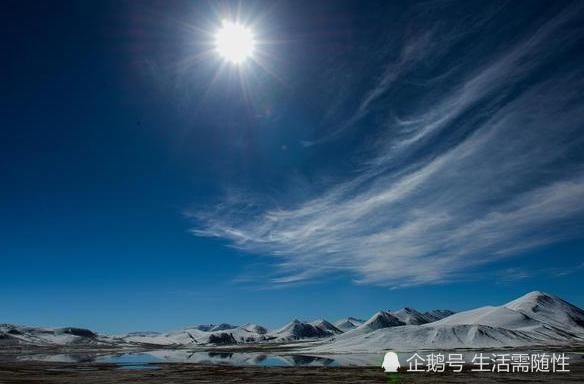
(150, 359)
(147, 358)
(221, 355)
(302, 360)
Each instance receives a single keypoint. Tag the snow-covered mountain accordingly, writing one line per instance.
(410, 316)
(21, 335)
(255, 328)
(381, 319)
(249, 333)
(548, 309)
(245, 334)
(348, 323)
(213, 327)
(298, 330)
(438, 314)
(326, 326)
(222, 327)
(534, 319)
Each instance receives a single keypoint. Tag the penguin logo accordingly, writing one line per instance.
(390, 362)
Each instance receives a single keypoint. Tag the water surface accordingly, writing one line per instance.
(149, 359)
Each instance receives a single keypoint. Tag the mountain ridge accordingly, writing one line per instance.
(536, 318)
(533, 319)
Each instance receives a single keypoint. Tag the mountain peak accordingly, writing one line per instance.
(534, 295)
(326, 326)
(438, 314)
(548, 309)
(410, 316)
(251, 327)
(222, 327)
(381, 319)
(297, 329)
(533, 298)
(348, 323)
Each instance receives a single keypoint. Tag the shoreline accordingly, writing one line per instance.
(69, 373)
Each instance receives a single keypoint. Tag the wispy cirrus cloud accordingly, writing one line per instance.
(489, 168)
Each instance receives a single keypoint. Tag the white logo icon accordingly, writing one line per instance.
(390, 362)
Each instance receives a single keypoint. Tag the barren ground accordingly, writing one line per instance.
(62, 373)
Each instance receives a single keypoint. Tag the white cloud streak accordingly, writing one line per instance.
(502, 189)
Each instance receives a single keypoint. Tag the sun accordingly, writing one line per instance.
(235, 42)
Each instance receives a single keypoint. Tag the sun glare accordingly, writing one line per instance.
(234, 42)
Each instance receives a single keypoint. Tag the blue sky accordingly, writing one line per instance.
(371, 156)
